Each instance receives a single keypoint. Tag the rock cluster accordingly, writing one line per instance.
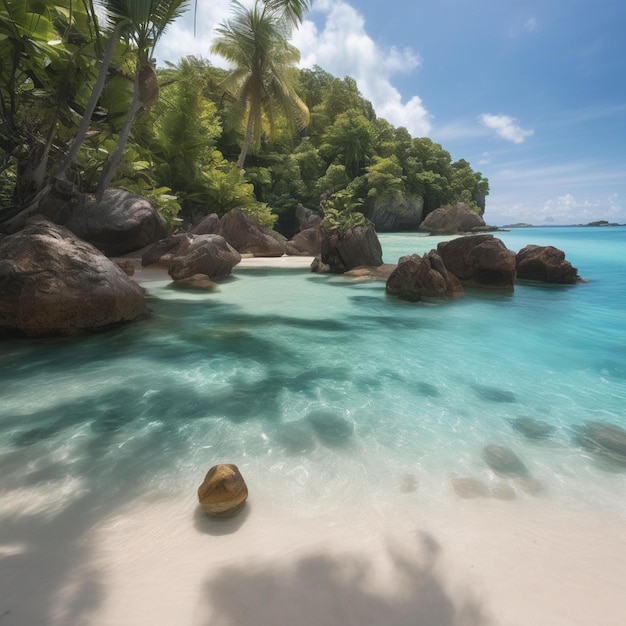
(223, 492)
(53, 283)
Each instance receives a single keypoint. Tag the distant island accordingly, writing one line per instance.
(525, 225)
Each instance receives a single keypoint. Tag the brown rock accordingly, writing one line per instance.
(197, 282)
(203, 254)
(546, 264)
(418, 277)
(53, 283)
(356, 247)
(223, 493)
(307, 242)
(248, 237)
(452, 220)
(480, 260)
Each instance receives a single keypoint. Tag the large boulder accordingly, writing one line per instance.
(248, 237)
(343, 251)
(122, 222)
(418, 277)
(394, 211)
(51, 283)
(307, 242)
(223, 492)
(208, 225)
(203, 254)
(163, 251)
(453, 220)
(480, 260)
(545, 263)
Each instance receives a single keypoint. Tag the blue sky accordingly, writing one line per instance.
(532, 94)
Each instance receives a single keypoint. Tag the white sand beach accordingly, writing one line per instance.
(478, 563)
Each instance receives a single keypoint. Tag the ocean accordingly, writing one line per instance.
(327, 393)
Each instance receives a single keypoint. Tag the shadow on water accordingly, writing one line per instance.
(322, 588)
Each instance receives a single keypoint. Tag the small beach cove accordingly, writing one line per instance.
(350, 415)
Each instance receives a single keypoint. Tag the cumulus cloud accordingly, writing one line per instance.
(343, 48)
(506, 127)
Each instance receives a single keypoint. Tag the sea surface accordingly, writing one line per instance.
(326, 392)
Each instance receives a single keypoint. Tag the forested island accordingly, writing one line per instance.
(84, 105)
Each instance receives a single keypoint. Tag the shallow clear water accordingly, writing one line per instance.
(325, 391)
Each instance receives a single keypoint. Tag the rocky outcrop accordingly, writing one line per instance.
(162, 251)
(53, 283)
(223, 492)
(343, 251)
(546, 264)
(394, 211)
(203, 254)
(122, 222)
(453, 220)
(307, 242)
(418, 277)
(307, 218)
(248, 237)
(480, 260)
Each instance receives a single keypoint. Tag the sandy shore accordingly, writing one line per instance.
(480, 563)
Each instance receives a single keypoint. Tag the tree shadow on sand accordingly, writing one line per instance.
(324, 588)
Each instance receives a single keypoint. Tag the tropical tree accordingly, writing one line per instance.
(254, 40)
(143, 22)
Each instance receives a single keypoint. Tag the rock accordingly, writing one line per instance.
(126, 265)
(307, 218)
(469, 488)
(331, 429)
(223, 492)
(162, 251)
(479, 260)
(418, 277)
(452, 220)
(408, 483)
(394, 211)
(53, 283)
(343, 251)
(608, 440)
(197, 282)
(379, 272)
(532, 428)
(123, 222)
(546, 264)
(318, 267)
(504, 461)
(494, 394)
(307, 242)
(203, 254)
(209, 225)
(248, 237)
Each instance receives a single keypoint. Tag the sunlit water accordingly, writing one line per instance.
(326, 391)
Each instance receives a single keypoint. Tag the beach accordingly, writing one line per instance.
(107, 439)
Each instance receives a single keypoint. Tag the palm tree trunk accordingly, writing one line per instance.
(246, 141)
(81, 133)
(116, 156)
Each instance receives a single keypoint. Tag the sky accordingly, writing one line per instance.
(531, 92)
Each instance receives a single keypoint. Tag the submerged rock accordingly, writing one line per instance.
(469, 488)
(532, 428)
(504, 461)
(607, 440)
(332, 429)
(223, 492)
(494, 394)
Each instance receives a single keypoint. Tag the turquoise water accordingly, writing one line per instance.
(325, 391)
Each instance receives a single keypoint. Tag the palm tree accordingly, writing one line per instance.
(255, 42)
(144, 21)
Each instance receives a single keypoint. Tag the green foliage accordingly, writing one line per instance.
(340, 213)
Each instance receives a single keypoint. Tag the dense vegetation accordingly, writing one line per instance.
(265, 136)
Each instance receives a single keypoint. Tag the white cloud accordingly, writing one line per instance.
(343, 48)
(506, 127)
